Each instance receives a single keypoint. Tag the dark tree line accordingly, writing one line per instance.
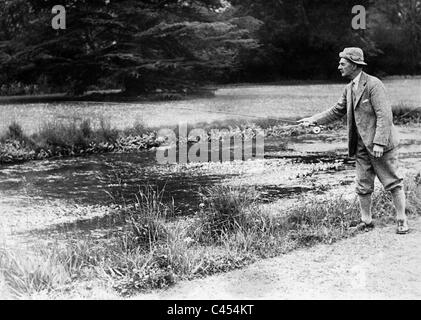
(180, 45)
(300, 39)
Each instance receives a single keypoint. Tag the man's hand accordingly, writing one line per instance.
(378, 151)
(307, 121)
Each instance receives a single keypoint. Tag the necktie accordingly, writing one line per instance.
(354, 91)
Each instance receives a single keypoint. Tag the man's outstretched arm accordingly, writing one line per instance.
(334, 113)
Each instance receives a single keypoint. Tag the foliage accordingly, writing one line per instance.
(146, 221)
(41, 272)
(404, 114)
(177, 46)
(72, 138)
(301, 39)
(139, 45)
(395, 26)
(223, 211)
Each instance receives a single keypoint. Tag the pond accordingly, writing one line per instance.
(231, 102)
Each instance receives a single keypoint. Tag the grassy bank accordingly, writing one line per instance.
(155, 250)
(56, 139)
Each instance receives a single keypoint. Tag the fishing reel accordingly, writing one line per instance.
(316, 129)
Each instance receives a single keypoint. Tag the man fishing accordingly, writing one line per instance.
(372, 137)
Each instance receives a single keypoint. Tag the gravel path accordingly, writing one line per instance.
(374, 265)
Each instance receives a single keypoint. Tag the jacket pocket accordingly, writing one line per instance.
(366, 105)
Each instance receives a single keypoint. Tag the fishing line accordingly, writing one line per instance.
(316, 129)
(194, 110)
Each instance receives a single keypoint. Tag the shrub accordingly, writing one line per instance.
(72, 136)
(14, 132)
(138, 129)
(404, 113)
(106, 133)
(15, 144)
(59, 136)
(86, 128)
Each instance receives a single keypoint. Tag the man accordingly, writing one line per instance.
(372, 137)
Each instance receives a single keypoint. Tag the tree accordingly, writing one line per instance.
(301, 39)
(396, 28)
(140, 45)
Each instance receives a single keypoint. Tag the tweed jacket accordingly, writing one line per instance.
(372, 113)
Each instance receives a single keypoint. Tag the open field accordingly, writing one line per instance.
(72, 228)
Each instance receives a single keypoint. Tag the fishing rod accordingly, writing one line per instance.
(316, 129)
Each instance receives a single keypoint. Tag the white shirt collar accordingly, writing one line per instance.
(356, 80)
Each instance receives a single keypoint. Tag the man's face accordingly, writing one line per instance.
(346, 68)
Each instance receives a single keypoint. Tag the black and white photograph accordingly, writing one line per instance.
(210, 150)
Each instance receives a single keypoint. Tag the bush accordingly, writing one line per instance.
(70, 139)
(106, 133)
(14, 132)
(73, 137)
(404, 113)
(138, 129)
(60, 137)
(86, 129)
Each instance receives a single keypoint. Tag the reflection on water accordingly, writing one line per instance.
(116, 178)
(102, 179)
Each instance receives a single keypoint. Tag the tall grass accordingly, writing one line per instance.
(26, 274)
(58, 136)
(69, 139)
(73, 135)
(231, 217)
(223, 210)
(146, 222)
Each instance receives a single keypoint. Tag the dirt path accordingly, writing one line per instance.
(374, 265)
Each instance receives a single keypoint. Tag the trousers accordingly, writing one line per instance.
(368, 167)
